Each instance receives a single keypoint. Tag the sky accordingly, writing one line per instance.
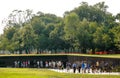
(57, 7)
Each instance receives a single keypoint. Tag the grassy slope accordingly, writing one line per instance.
(105, 56)
(89, 55)
(44, 73)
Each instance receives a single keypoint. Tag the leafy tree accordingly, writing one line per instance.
(71, 23)
(116, 34)
(101, 6)
(101, 38)
(18, 18)
(3, 43)
(118, 17)
(56, 37)
(91, 13)
(85, 28)
(28, 38)
(6, 40)
(92, 29)
(83, 35)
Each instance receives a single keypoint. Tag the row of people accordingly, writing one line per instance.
(89, 67)
(81, 66)
(38, 64)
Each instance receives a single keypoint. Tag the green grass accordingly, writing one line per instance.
(93, 55)
(88, 55)
(44, 73)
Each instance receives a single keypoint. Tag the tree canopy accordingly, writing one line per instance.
(83, 29)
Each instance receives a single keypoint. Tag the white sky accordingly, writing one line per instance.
(57, 7)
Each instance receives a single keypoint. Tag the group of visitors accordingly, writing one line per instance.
(23, 64)
(38, 64)
(77, 66)
(89, 66)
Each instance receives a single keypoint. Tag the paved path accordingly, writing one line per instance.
(71, 71)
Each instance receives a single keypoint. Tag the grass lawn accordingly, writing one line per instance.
(44, 73)
(88, 55)
(93, 55)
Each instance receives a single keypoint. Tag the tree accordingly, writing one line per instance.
(6, 39)
(87, 27)
(101, 6)
(83, 35)
(118, 17)
(116, 35)
(96, 13)
(37, 25)
(3, 43)
(71, 23)
(18, 18)
(92, 29)
(102, 39)
(56, 37)
(28, 38)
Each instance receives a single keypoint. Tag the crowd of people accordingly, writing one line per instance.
(90, 67)
(38, 64)
(79, 66)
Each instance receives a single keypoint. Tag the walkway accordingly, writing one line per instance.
(71, 71)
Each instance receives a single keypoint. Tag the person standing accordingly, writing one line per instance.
(74, 67)
(97, 66)
(79, 66)
(38, 64)
(68, 65)
(41, 64)
(83, 67)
